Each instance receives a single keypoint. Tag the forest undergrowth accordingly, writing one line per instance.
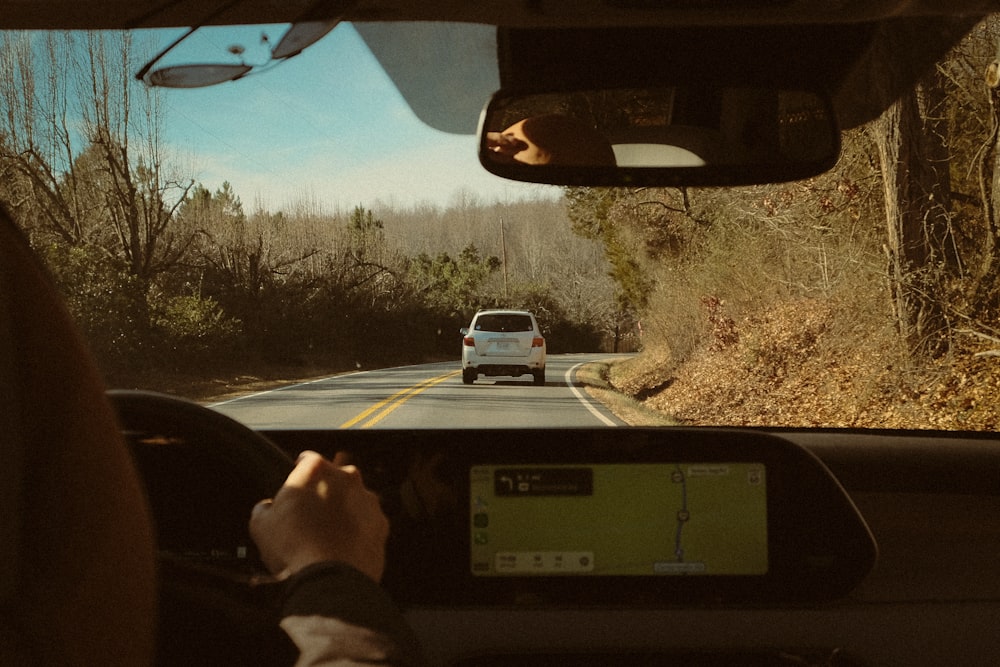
(794, 365)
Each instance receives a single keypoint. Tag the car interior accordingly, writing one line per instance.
(825, 546)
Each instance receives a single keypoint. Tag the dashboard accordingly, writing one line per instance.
(642, 516)
(640, 546)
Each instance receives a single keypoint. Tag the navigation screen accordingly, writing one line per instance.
(634, 519)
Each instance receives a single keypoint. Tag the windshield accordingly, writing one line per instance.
(303, 229)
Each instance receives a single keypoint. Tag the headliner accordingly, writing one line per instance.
(106, 14)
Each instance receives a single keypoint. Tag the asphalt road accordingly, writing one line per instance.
(427, 396)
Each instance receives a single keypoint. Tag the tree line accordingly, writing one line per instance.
(163, 273)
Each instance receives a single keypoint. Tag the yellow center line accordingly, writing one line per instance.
(395, 401)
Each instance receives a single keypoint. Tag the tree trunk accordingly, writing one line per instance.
(985, 275)
(912, 149)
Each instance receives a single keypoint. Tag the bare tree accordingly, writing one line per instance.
(82, 144)
(975, 75)
(912, 139)
(37, 159)
(123, 123)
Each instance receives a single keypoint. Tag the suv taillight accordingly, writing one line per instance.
(469, 341)
(537, 341)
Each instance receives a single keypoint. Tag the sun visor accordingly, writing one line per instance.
(863, 66)
(817, 56)
(446, 72)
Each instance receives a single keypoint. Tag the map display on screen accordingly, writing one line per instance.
(632, 519)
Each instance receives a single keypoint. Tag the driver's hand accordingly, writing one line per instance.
(504, 143)
(324, 512)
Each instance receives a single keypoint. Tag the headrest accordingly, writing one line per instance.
(77, 581)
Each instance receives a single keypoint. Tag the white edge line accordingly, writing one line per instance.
(583, 399)
(289, 386)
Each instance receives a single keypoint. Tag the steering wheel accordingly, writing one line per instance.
(203, 472)
(148, 414)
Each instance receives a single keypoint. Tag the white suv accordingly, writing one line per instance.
(503, 342)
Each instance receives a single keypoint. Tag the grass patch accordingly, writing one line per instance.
(594, 378)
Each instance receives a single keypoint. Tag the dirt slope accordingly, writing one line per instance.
(802, 365)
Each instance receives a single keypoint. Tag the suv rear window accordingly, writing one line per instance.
(505, 322)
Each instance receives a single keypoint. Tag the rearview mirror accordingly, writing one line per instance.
(698, 135)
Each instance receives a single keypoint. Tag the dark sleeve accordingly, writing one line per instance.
(338, 616)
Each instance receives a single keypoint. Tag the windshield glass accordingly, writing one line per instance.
(303, 228)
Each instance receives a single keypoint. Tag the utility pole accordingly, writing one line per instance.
(503, 259)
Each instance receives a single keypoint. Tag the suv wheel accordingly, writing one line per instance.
(469, 375)
(539, 376)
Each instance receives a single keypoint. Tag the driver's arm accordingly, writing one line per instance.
(325, 533)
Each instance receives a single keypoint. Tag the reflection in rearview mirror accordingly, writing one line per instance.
(691, 135)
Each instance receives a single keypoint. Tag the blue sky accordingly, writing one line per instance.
(327, 126)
